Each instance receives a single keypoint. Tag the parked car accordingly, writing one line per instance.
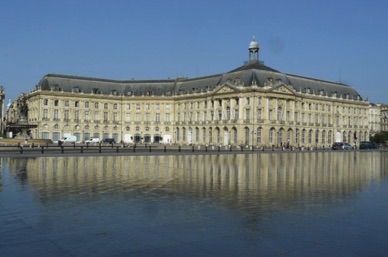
(109, 141)
(337, 146)
(367, 145)
(342, 146)
(93, 140)
(347, 146)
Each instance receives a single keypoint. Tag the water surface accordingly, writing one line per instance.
(261, 204)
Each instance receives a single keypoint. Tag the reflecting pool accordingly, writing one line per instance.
(258, 204)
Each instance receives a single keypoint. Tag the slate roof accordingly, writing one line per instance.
(253, 73)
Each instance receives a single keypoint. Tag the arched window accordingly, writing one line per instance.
(235, 135)
(329, 137)
(271, 133)
(259, 131)
(246, 135)
(280, 136)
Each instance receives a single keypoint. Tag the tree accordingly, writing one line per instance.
(380, 137)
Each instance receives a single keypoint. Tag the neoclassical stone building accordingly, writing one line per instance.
(250, 105)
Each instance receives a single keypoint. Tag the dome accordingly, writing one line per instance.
(254, 44)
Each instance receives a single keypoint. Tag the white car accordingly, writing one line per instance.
(93, 140)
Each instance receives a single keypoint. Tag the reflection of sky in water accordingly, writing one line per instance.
(196, 204)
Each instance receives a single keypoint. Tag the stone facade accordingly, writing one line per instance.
(251, 105)
(384, 117)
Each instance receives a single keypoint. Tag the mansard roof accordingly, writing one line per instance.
(251, 74)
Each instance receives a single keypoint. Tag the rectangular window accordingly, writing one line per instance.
(56, 114)
(167, 107)
(157, 106)
(86, 104)
(106, 117)
(296, 116)
(270, 115)
(127, 117)
(157, 117)
(247, 114)
(96, 105)
(67, 103)
(127, 107)
(115, 117)
(45, 114)
(137, 106)
(167, 117)
(45, 101)
(97, 116)
(76, 116)
(66, 115)
(87, 116)
(138, 117)
(280, 114)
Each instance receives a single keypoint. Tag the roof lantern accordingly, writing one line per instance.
(253, 51)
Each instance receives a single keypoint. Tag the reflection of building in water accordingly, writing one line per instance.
(241, 178)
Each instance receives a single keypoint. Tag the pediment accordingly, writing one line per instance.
(225, 89)
(283, 89)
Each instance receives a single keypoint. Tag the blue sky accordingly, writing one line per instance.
(335, 40)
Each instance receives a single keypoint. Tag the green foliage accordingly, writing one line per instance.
(381, 137)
